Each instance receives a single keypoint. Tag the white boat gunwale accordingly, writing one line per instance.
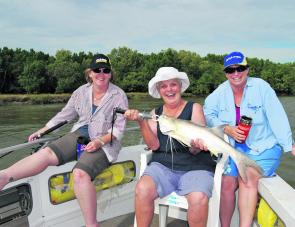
(120, 199)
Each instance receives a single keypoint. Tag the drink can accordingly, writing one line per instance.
(245, 125)
(82, 141)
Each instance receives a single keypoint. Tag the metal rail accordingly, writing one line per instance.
(6, 150)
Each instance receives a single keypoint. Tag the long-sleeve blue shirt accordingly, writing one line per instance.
(270, 124)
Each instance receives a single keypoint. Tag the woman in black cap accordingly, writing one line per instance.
(92, 104)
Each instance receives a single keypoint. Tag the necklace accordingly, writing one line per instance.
(175, 112)
(98, 97)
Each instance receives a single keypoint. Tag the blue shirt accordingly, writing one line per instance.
(270, 125)
(84, 129)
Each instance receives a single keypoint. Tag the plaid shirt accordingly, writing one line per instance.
(99, 123)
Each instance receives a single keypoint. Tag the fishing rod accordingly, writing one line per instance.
(52, 129)
(7, 150)
(122, 111)
(143, 115)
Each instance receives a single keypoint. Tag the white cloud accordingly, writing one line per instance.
(261, 29)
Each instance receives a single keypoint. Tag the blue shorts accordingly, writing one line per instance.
(182, 182)
(268, 160)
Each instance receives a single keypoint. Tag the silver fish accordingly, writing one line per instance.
(185, 131)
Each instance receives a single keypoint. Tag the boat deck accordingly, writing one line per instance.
(128, 219)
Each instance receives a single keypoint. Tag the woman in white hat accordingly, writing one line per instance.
(187, 172)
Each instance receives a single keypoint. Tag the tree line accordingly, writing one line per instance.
(23, 71)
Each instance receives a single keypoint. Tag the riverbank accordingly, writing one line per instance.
(7, 99)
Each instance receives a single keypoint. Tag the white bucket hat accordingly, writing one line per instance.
(167, 73)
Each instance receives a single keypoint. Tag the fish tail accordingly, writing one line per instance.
(242, 170)
(242, 165)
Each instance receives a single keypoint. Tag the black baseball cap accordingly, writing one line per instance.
(100, 61)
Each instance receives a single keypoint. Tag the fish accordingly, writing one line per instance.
(185, 131)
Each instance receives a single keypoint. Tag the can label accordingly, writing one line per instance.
(245, 125)
(82, 141)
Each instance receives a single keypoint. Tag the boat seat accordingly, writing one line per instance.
(180, 202)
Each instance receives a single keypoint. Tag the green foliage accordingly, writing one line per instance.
(281, 77)
(133, 82)
(67, 75)
(66, 72)
(190, 63)
(32, 77)
(23, 71)
(125, 61)
(211, 77)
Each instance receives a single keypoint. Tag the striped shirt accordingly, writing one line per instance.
(99, 123)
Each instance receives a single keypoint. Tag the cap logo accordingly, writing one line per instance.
(99, 60)
(231, 57)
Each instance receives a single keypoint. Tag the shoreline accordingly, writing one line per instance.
(31, 99)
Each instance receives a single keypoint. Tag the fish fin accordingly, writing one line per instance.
(243, 164)
(218, 131)
(219, 157)
(215, 152)
(242, 171)
(181, 140)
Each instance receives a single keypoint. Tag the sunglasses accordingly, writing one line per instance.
(101, 70)
(239, 69)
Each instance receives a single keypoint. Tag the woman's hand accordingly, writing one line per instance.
(293, 150)
(36, 135)
(93, 146)
(235, 133)
(33, 136)
(197, 145)
(132, 115)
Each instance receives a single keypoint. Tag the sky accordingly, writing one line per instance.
(259, 28)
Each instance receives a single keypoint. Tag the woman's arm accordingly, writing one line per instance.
(198, 118)
(148, 128)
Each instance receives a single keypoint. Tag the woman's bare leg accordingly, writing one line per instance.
(145, 194)
(197, 214)
(28, 166)
(248, 196)
(86, 195)
(229, 186)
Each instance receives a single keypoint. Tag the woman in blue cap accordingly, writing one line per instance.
(269, 136)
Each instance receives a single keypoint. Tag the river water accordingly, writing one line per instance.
(17, 122)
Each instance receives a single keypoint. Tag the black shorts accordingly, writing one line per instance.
(65, 149)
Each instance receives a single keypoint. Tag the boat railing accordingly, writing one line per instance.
(280, 197)
(274, 190)
(7, 150)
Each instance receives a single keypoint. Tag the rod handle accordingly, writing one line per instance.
(119, 110)
(52, 128)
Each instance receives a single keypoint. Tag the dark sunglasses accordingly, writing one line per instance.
(239, 69)
(101, 70)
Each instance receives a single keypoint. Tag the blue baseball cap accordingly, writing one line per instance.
(234, 58)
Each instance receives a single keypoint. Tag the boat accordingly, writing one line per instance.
(35, 201)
